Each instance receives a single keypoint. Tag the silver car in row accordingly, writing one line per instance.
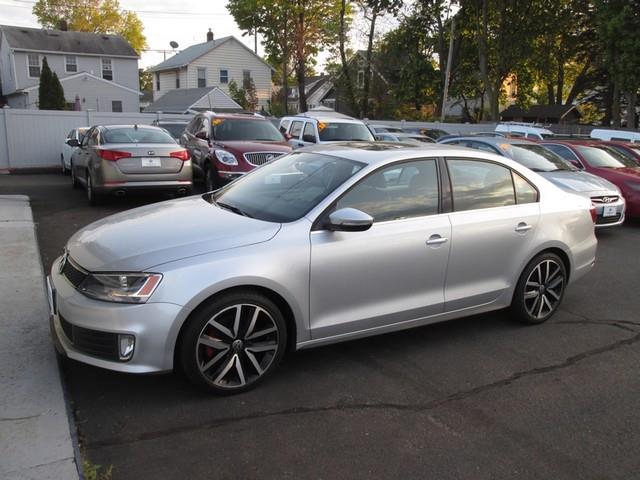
(117, 159)
(607, 198)
(326, 244)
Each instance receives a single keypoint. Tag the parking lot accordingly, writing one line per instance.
(478, 398)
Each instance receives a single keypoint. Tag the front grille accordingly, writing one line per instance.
(260, 158)
(605, 199)
(74, 274)
(91, 342)
(600, 220)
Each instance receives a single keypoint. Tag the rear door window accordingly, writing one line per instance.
(479, 184)
(309, 134)
(296, 129)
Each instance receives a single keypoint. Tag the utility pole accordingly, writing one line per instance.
(447, 76)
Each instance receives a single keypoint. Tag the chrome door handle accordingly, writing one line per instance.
(436, 240)
(523, 227)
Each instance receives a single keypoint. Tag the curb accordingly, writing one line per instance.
(35, 423)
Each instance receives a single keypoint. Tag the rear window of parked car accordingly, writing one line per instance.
(136, 135)
(331, 132)
(237, 129)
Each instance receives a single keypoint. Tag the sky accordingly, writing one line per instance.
(185, 22)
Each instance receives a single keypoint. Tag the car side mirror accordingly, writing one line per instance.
(349, 220)
(576, 164)
(309, 138)
(287, 136)
(202, 135)
(72, 142)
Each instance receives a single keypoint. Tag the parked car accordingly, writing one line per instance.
(478, 134)
(67, 150)
(525, 130)
(384, 129)
(623, 173)
(117, 159)
(226, 146)
(616, 135)
(626, 149)
(434, 133)
(610, 204)
(326, 244)
(403, 137)
(312, 128)
(175, 127)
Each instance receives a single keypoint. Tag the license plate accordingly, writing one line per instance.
(151, 162)
(609, 211)
(51, 298)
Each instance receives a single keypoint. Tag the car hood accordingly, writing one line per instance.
(579, 182)
(620, 174)
(249, 146)
(139, 239)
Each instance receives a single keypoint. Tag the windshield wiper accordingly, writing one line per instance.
(233, 209)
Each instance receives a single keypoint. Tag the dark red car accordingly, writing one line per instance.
(226, 146)
(596, 158)
(629, 150)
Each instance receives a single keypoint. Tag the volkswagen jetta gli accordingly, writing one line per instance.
(326, 244)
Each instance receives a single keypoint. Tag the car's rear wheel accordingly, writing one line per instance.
(92, 197)
(233, 342)
(540, 289)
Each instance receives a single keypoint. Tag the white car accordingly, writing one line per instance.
(312, 128)
(525, 130)
(67, 150)
(615, 135)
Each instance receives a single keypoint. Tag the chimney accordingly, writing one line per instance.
(209, 36)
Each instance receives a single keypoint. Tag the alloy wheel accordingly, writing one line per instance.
(237, 346)
(543, 289)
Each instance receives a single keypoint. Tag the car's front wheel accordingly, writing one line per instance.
(211, 179)
(540, 289)
(74, 180)
(233, 342)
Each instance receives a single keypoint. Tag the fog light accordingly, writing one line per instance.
(127, 343)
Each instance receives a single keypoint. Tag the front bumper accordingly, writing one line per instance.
(611, 220)
(155, 327)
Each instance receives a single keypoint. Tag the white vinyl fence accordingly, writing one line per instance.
(34, 138)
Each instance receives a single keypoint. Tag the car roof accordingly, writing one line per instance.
(139, 126)
(491, 140)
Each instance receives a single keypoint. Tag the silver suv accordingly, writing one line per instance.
(312, 127)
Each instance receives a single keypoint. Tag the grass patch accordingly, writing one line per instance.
(93, 471)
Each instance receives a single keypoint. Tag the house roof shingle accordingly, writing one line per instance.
(23, 38)
(182, 99)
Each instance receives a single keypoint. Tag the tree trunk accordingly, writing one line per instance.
(632, 98)
(364, 105)
(560, 85)
(550, 96)
(285, 61)
(482, 34)
(300, 57)
(346, 75)
(579, 83)
(615, 105)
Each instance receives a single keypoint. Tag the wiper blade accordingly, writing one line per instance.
(233, 209)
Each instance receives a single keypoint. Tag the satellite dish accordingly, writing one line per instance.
(173, 44)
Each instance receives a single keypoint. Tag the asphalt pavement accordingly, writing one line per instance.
(477, 398)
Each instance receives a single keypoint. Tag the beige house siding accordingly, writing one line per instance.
(231, 56)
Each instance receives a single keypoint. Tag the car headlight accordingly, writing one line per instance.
(225, 157)
(633, 186)
(120, 287)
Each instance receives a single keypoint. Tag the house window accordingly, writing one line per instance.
(33, 61)
(107, 69)
(202, 77)
(224, 76)
(361, 78)
(177, 79)
(246, 78)
(157, 82)
(116, 106)
(71, 64)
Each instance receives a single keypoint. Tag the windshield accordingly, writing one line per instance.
(174, 129)
(598, 158)
(537, 157)
(620, 155)
(287, 188)
(334, 132)
(136, 135)
(241, 129)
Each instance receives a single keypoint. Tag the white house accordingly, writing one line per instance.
(214, 63)
(100, 70)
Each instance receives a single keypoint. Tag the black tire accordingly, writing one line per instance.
(74, 180)
(211, 179)
(540, 289)
(241, 358)
(64, 169)
(92, 197)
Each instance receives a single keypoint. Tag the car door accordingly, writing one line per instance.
(295, 130)
(197, 144)
(393, 272)
(492, 225)
(67, 149)
(309, 135)
(80, 156)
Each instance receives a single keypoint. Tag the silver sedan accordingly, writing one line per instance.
(326, 244)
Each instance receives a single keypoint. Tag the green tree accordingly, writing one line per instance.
(58, 101)
(50, 91)
(238, 94)
(146, 79)
(96, 16)
(251, 96)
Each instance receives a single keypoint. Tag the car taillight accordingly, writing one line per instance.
(112, 155)
(592, 211)
(181, 154)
